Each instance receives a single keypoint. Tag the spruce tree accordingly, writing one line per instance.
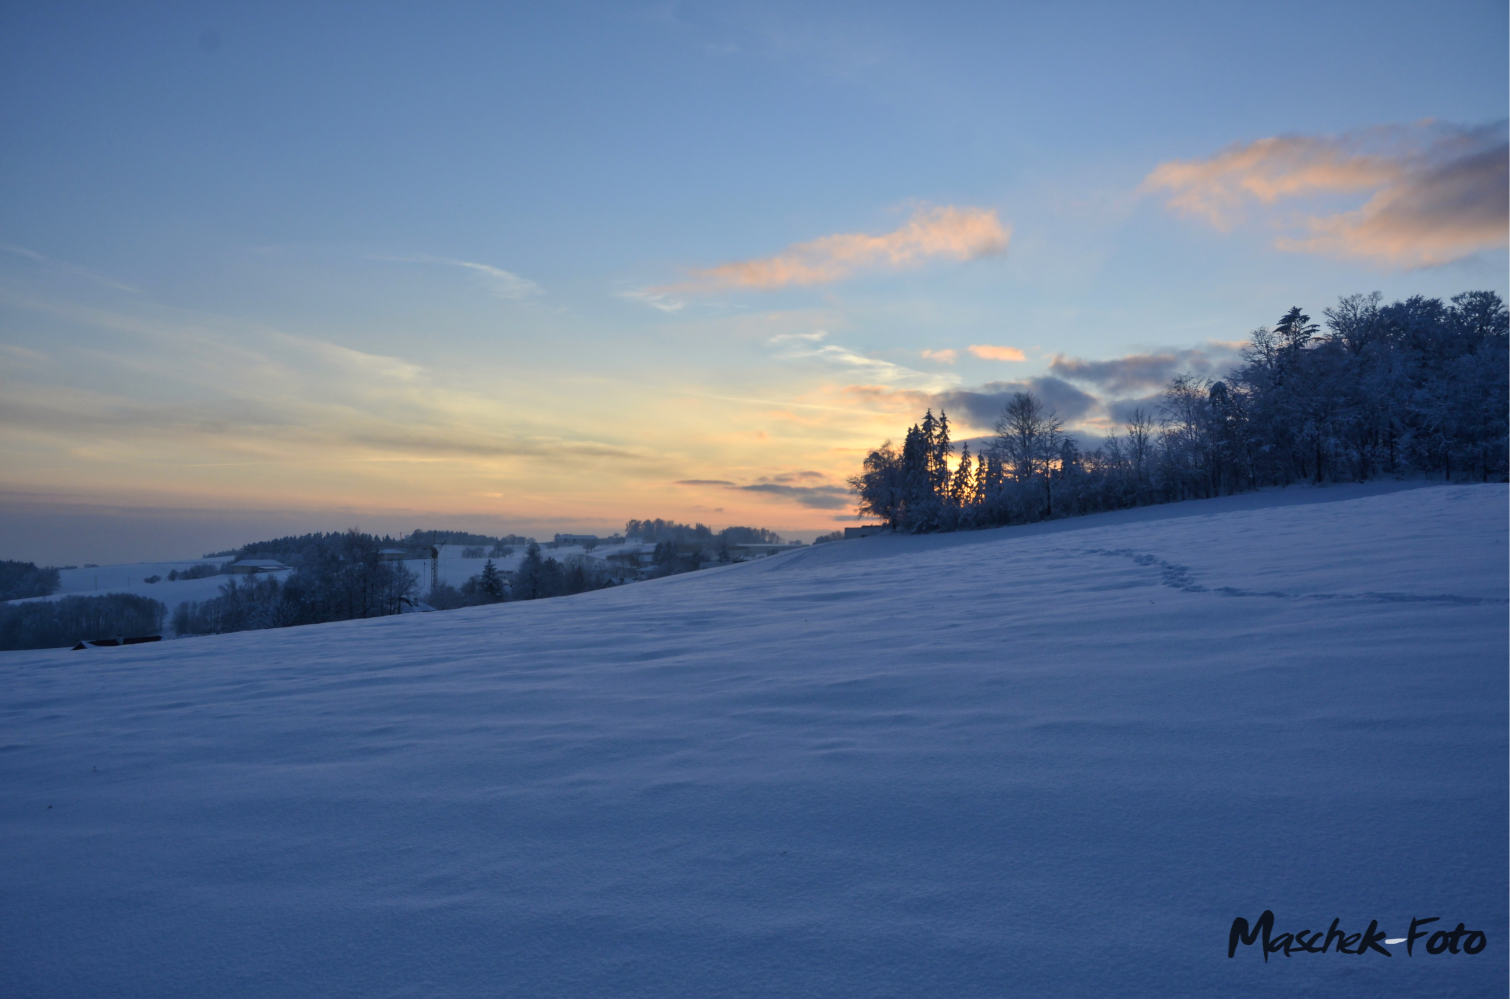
(491, 583)
(915, 486)
(960, 494)
(939, 456)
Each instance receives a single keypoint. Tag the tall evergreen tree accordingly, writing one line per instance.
(961, 492)
(490, 582)
(938, 457)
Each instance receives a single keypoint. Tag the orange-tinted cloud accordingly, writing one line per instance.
(1436, 193)
(1219, 188)
(948, 356)
(991, 352)
(939, 231)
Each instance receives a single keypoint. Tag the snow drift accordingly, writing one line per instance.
(1056, 759)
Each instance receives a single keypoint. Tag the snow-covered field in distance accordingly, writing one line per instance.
(455, 569)
(1053, 760)
(130, 578)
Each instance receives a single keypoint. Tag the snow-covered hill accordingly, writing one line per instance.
(1056, 759)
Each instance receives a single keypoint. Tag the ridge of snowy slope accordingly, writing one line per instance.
(1056, 759)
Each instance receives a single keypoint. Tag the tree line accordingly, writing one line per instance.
(64, 622)
(538, 576)
(1419, 387)
(658, 531)
(339, 577)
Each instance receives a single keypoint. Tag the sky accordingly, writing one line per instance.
(546, 267)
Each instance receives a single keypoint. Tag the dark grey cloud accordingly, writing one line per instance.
(1142, 371)
(985, 404)
(818, 497)
(1121, 410)
(703, 482)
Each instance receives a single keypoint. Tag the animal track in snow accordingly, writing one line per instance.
(1180, 578)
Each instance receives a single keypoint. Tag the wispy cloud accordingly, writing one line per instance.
(236, 390)
(992, 352)
(1436, 192)
(932, 232)
(947, 356)
(654, 299)
(23, 355)
(66, 268)
(797, 346)
(503, 284)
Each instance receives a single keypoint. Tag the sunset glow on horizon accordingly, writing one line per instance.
(537, 268)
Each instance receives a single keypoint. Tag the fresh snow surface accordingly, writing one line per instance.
(1053, 760)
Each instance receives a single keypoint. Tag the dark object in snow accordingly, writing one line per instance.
(128, 641)
(198, 572)
(250, 566)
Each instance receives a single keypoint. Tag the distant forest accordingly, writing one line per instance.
(1419, 387)
(669, 531)
(290, 549)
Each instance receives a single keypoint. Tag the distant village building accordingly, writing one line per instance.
(393, 555)
(864, 530)
(577, 539)
(250, 566)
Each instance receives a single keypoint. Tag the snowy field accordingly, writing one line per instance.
(1055, 760)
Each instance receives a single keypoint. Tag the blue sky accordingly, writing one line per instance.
(547, 267)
